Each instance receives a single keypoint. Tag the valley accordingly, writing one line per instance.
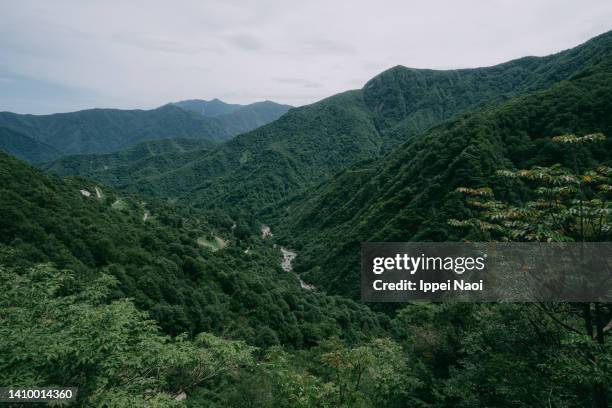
(212, 251)
(287, 265)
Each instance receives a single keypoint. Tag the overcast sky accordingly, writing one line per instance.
(58, 56)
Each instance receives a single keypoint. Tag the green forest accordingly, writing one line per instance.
(44, 138)
(140, 271)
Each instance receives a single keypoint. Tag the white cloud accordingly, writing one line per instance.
(145, 53)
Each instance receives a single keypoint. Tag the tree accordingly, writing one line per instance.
(566, 205)
(55, 333)
(373, 374)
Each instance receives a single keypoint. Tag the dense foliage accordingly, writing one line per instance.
(410, 194)
(57, 332)
(566, 206)
(68, 262)
(194, 271)
(24, 146)
(123, 167)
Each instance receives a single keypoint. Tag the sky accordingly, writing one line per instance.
(59, 56)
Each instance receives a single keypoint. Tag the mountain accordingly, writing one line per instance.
(107, 130)
(25, 147)
(212, 108)
(265, 164)
(236, 118)
(252, 116)
(99, 131)
(410, 195)
(143, 160)
(311, 143)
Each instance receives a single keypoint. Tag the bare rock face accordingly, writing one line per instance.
(265, 231)
(181, 397)
(287, 265)
(288, 257)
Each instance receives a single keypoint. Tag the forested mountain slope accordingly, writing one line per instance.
(311, 143)
(252, 116)
(234, 117)
(123, 167)
(192, 270)
(409, 195)
(25, 147)
(408, 101)
(108, 130)
(265, 164)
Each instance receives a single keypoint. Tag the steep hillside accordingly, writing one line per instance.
(193, 271)
(409, 195)
(407, 101)
(25, 147)
(264, 165)
(123, 167)
(311, 143)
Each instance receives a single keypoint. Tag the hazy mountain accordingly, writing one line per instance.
(252, 116)
(46, 137)
(236, 118)
(107, 130)
(25, 147)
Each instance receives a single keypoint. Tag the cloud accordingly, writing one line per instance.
(243, 41)
(326, 46)
(24, 94)
(303, 82)
(143, 53)
(162, 43)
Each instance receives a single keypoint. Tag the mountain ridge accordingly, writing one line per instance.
(104, 130)
(311, 143)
